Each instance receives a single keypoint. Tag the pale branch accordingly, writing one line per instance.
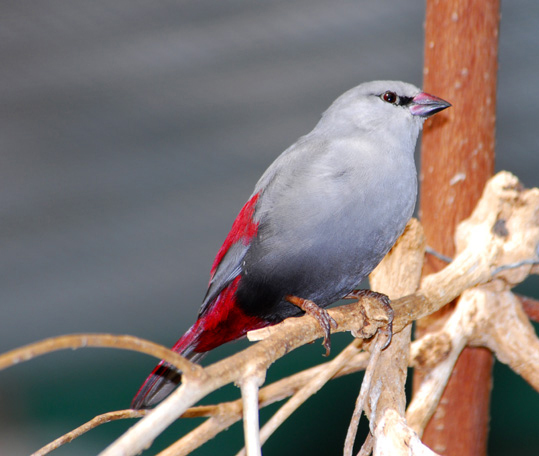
(499, 241)
(458, 328)
(503, 229)
(206, 431)
(429, 350)
(228, 413)
(223, 414)
(75, 341)
(249, 385)
(398, 274)
(88, 426)
(487, 316)
(530, 307)
(362, 396)
(503, 327)
(397, 438)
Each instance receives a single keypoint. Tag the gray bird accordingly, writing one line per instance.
(320, 219)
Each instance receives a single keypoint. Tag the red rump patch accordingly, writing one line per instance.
(226, 321)
(243, 229)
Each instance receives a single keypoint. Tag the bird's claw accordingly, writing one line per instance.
(324, 319)
(385, 303)
(388, 330)
(327, 322)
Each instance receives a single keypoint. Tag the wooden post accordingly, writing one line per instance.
(461, 38)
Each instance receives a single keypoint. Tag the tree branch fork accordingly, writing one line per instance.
(496, 248)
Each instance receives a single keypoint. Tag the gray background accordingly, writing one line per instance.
(132, 132)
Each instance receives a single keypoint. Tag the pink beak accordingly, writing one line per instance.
(425, 105)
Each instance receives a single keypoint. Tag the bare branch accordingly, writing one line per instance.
(458, 330)
(505, 329)
(75, 341)
(362, 396)
(530, 306)
(93, 423)
(396, 438)
(398, 274)
(481, 248)
(206, 431)
(249, 385)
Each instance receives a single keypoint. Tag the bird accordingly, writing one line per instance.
(320, 219)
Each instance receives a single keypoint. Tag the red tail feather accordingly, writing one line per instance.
(221, 320)
(224, 322)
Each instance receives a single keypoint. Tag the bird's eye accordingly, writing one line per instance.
(389, 97)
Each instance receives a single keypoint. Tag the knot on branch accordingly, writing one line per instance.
(504, 229)
(433, 349)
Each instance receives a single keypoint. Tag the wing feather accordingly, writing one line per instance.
(228, 262)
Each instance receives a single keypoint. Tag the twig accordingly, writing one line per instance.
(362, 397)
(366, 448)
(486, 316)
(530, 306)
(88, 426)
(249, 385)
(518, 264)
(438, 255)
(225, 414)
(398, 274)
(504, 328)
(75, 341)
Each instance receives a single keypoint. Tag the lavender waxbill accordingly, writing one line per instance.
(319, 220)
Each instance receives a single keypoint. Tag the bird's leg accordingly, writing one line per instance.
(325, 321)
(385, 304)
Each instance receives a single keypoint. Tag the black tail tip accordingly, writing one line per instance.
(161, 382)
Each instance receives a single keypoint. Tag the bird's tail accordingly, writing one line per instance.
(222, 322)
(164, 378)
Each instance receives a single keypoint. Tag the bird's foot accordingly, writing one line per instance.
(323, 318)
(385, 303)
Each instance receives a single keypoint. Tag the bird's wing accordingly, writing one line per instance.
(228, 262)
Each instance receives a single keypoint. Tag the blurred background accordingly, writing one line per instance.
(132, 132)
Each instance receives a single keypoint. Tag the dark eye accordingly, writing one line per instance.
(390, 97)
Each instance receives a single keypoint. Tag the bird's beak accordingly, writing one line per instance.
(425, 105)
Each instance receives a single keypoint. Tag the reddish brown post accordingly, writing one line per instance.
(461, 38)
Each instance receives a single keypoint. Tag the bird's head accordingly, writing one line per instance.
(383, 106)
